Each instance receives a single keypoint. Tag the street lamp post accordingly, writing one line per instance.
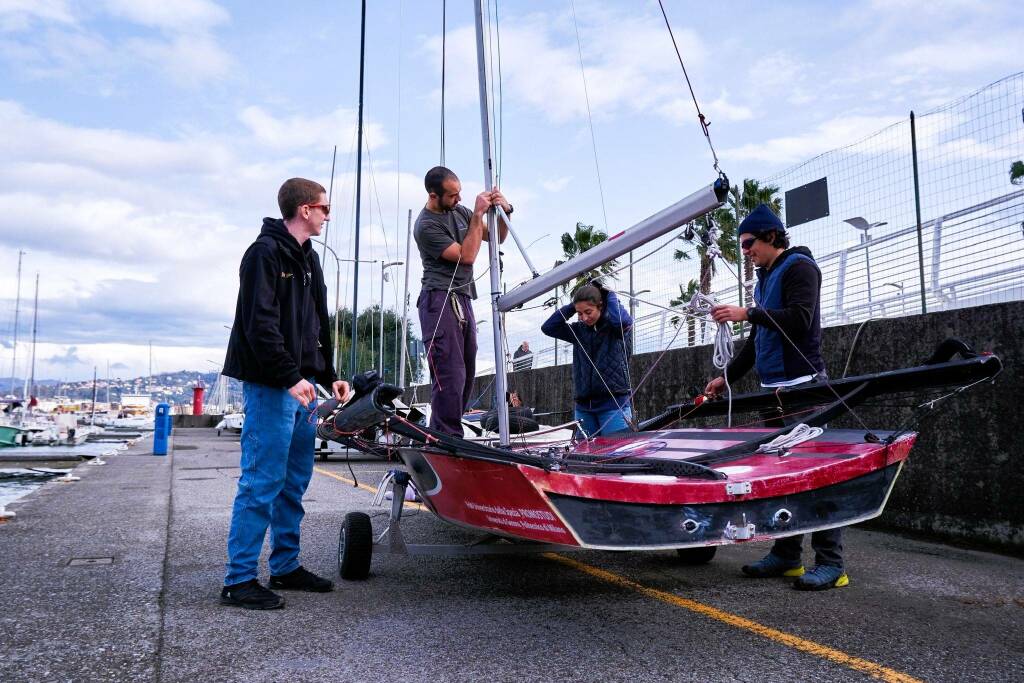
(632, 310)
(864, 226)
(337, 299)
(383, 279)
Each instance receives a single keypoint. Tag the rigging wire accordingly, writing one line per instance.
(704, 123)
(444, 49)
(590, 118)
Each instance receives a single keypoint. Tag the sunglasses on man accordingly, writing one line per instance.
(326, 208)
(748, 243)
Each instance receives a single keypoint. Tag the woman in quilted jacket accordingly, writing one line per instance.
(600, 362)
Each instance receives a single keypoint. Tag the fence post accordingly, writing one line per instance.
(917, 205)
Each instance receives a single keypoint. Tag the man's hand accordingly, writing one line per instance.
(725, 313)
(714, 387)
(303, 392)
(340, 389)
(498, 199)
(483, 203)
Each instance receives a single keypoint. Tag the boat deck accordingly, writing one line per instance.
(116, 577)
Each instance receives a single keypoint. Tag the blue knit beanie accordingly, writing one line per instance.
(760, 221)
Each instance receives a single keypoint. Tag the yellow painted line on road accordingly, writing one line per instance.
(789, 640)
(809, 646)
(365, 487)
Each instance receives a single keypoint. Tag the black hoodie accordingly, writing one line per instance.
(281, 332)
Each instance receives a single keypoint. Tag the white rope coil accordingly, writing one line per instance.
(701, 304)
(794, 437)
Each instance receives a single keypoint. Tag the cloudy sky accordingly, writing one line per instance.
(143, 141)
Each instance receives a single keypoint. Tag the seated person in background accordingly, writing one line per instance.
(600, 359)
(520, 417)
(522, 359)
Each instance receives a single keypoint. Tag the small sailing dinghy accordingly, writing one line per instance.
(660, 487)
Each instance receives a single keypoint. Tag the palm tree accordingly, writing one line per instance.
(698, 235)
(684, 298)
(741, 204)
(1017, 173)
(575, 243)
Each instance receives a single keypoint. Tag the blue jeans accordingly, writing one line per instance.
(277, 463)
(604, 422)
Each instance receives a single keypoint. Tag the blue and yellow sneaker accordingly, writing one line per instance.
(772, 565)
(822, 578)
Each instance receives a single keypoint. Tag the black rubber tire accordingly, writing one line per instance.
(355, 547)
(695, 556)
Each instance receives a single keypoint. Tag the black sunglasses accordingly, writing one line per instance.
(748, 243)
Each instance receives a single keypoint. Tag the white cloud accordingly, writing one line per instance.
(302, 132)
(631, 69)
(188, 59)
(18, 15)
(961, 55)
(556, 184)
(180, 15)
(28, 137)
(836, 132)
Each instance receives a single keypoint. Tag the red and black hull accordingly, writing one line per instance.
(834, 480)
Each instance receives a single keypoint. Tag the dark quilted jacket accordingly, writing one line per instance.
(606, 344)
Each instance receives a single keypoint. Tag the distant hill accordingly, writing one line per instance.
(173, 387)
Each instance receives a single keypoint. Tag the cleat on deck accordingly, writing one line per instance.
(772, 565)
(822, 578)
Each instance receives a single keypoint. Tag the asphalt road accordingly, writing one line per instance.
(913, 610)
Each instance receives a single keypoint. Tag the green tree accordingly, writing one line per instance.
(1017, 173)
(741, 202)
(584, 238)
(368, 340)
(698, 236)
(684, 298)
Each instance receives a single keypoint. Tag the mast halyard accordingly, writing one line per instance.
(14, 345)
(500, 380)
(359, 187)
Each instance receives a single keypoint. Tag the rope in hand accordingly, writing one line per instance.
(701, 304)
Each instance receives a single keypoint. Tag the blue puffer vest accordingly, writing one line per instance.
(605, 344)
(775, 359)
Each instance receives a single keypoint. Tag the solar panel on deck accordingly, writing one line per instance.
(807, 203)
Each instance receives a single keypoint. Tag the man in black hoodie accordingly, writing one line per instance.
(785, 347)
(280, 345)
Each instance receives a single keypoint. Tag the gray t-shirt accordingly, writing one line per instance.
(435, 232)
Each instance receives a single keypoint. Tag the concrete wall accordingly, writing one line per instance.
(965, 476)
(196, 420)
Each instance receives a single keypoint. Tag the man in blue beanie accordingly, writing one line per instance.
(785, 347)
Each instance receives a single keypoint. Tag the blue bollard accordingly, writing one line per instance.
(161, 428)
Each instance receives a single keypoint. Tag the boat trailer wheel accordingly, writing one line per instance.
(694, 556)
(355, 546)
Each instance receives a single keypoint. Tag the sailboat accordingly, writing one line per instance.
(662, 487)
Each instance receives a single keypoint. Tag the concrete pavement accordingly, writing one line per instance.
(148, 534)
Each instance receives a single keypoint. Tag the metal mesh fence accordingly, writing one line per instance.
(968, 249)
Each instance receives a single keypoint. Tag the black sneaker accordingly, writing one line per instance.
(250, 595)
(301, 580)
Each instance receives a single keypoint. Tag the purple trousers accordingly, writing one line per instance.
(451, 356)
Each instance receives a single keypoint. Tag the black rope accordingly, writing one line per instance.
(704, 123)
(444, 39)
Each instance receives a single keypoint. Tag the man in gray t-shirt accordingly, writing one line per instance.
(448, 236)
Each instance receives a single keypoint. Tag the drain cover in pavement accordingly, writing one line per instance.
(89, 561)
(186, 448)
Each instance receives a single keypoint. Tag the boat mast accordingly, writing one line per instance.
(31, 386)
(500, 380)
(405, 304)
(14, 347)
(359, 185)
